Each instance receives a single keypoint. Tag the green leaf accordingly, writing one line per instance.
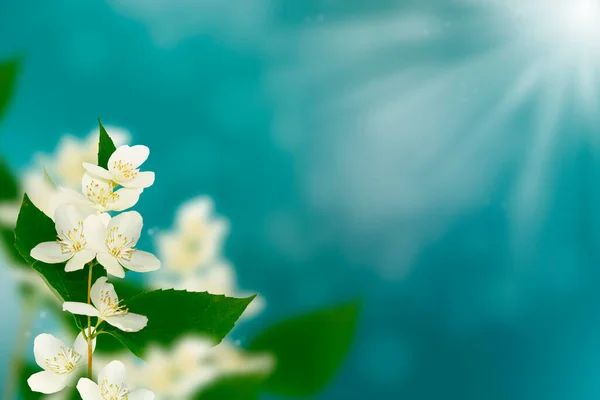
(24, 390)
(241, 387)
(34, 227)
(308, 349)
(175, 313)
(9, 192)
(105, 147)
(9, 186)
(8, 77)
(128, 288)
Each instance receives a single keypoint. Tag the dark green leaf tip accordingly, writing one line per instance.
(106, 146)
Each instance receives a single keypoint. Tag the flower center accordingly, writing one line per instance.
(110, 391)
(111, 305)
(125, 170)
(100, 194)
(73, 240)
(119, 245)
(64, 362)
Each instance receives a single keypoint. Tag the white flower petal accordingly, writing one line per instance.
(40, 192)
(99, 191)
(136, 155)
(47, 382)
(141, 394)
(196, 209)
(67, 217)
(69, 196)
(105, 219)
(78, 308)
(114, 374)
(79, 260)
(96, 291)
(97, 171)
(141, 181)
(126, 198)
(88, 390)
(129, 322)
(129, 225)
(95, 232)
(46, 346)
(80, 344)
(141, 261)
(111, 265)
(50, 252)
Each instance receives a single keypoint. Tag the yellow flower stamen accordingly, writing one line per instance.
(64, 362)
(73, 240)
(125, 169)
(111, 391)
(118, 245)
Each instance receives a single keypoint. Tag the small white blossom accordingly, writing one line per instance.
(59, 361)
(102, 197)
(112, 385)
(107, 307)
(75, 239)
(192, 364)
(176, 373)
(118, 248)
(197, 239)
(123, 167)
(231, 360)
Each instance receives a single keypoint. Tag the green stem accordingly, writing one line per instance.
(89, 332)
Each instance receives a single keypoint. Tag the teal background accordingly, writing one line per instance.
(257, 104)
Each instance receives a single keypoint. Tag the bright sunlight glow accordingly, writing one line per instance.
(582, 20)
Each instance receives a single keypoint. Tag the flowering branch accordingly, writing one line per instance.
(79, 229)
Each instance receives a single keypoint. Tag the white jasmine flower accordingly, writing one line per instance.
(102, 197)
(60, 362)
(177, 372)
(112, 385)
(123, 167)
(118, 249)
(231, 360)
(75, 239)
(107, 307)
(197, 238)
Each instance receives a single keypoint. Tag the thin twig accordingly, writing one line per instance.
(89, 333)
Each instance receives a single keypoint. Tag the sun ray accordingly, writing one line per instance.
(528, 203)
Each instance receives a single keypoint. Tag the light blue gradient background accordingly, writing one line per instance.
(234, 100)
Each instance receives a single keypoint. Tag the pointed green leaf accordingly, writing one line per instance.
(105, 146)
(176, 313)
(308, 350)
(34, 227)
(8, 77)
